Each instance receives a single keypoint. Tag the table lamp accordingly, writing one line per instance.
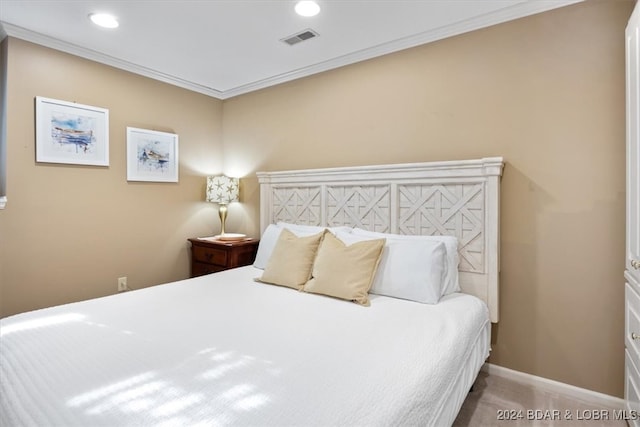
(223, 190)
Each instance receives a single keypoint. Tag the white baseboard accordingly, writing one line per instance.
(589, 396)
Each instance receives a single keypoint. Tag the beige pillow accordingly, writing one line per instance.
(345, 271)
(291, 260)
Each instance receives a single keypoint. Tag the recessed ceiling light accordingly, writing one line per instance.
(104, 20)
(307, 8)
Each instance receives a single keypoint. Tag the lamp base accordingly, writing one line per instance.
(222, 212)
(231, 237)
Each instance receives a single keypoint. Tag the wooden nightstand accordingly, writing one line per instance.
(209, 256)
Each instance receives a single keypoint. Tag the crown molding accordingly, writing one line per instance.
(517, 11)
(520, 10)
(73, 49)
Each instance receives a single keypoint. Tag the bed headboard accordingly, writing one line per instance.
(458, 198)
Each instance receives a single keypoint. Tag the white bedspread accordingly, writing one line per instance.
(224, 350)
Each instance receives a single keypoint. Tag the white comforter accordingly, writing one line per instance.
(224, 350)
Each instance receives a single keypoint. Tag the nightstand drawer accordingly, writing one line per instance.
(209, 255)
(201, 268)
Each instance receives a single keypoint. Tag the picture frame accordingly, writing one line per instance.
(152, 155)
(71, 133)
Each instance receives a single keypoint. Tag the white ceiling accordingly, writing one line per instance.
(224, 48)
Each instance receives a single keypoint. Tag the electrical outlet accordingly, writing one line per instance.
(122, 284)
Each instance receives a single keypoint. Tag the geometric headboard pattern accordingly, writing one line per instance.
(457, 198)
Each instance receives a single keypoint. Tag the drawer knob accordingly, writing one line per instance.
(635, 336)
(635, 264)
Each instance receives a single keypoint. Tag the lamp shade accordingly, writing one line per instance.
(222, 189)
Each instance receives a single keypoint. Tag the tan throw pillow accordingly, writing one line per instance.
(291, 260)
(345, 271)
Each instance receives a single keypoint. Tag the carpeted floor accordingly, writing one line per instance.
(497, 401)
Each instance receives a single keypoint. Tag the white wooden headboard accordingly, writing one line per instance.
(458, 198)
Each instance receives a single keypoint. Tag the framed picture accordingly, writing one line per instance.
(71, 133)
(151, 155)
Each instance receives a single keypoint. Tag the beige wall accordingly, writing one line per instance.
(69, 232)
(547, 93)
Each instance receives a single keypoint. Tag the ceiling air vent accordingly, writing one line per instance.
(300, 37)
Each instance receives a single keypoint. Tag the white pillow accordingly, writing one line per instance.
(272, 233)
(408, 269)
(451, 282)
(266, 245)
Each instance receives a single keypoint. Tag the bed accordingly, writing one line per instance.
(224, 349)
